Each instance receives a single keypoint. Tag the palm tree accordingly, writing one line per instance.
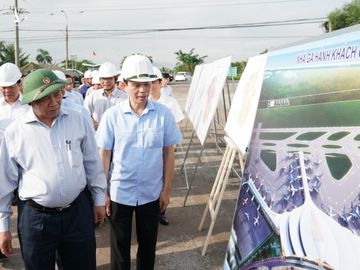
(7, 54)
(188, 61)
(43, 57)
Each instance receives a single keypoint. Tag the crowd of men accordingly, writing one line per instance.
(72, 158)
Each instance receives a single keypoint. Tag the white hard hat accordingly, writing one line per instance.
(120, 78)
(157, 73)
(9, 74)
(138, 68)
(94, 73)
(96, 79)
(107, 70)
(60, 74)
(87, 74)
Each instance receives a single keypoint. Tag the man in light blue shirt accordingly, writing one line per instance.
(139, 135)
(51, 156)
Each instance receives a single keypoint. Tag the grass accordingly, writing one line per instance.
(339, 114)
(338, 164)
(309, 136)
(338, 136)
(269, 158)
(331, 146)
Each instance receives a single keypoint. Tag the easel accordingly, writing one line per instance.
(202, 148)
(218, 188)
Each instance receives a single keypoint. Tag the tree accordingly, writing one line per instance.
(346, 16)
(43, 57)
(7, 54)
(188, 61)
(240, 67)
(78, 65)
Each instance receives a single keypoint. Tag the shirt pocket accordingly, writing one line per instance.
(153, 138)
(74, 153)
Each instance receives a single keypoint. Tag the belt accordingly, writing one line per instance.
(49, 209)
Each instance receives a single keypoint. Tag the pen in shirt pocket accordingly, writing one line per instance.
(69, 154)
(68, 145)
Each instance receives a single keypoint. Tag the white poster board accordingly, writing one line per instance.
(244, 105)
(206, 95)
(193, 86)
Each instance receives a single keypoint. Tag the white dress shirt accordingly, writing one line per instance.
(10, 112)
(166, 90)
(97, 102)
(173, 105)
(50, 165)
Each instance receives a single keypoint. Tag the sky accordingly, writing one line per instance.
(109, 30)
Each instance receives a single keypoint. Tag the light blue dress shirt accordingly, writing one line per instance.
(50, 165)
(137, 144)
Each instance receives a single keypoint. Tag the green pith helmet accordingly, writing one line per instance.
(40, 83)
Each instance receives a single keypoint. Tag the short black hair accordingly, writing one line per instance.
(166, 75)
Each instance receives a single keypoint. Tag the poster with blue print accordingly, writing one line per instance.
(299, 205)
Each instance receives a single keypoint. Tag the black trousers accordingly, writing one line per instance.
(69, 232)
(147, 216)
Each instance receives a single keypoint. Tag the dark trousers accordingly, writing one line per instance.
(70, 232)
(147, 216)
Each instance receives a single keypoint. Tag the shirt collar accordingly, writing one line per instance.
(114, 92)
(31, 117)
(125, 106)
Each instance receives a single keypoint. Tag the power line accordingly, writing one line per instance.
(180, 5)
(212, 27)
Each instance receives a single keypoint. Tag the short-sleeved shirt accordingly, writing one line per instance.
(75, 97)
(10, 112)
(137, 144)
(68, 103)
(173, 106)
(97, 102)
(50, 165)
(166, 90)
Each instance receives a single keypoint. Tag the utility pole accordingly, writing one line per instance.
(16, 11)
(17, 20)
(66, 39)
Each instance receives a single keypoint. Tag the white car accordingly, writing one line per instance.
(182, 76)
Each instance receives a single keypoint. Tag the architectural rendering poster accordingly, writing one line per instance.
(207, 94)
(299, 204)
(243, 109)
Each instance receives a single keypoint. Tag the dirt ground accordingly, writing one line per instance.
(180, 244)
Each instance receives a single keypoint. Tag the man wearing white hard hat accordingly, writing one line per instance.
(163, 98)
(95, 82)
(120, 83)
(70, 101)
(137, 136)
(99, 101)
(10, 103)
(86, 83)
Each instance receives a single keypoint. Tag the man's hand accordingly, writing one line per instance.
(5, 243)
(164, 200)
(99, 215)
(107, 205)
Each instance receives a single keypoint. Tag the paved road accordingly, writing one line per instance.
(180, 244)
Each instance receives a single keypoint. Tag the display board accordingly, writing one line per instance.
(204, 94)
(244, 103)
(299, 205)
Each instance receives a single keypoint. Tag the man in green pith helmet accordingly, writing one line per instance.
(50, 155)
